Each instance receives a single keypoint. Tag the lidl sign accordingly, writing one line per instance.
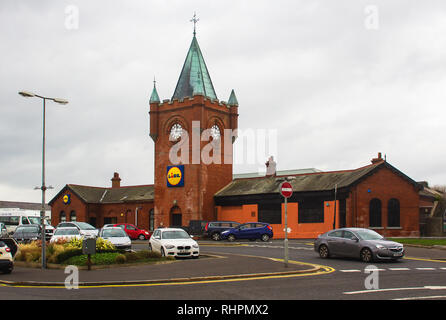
(175, 176)
(67, 199)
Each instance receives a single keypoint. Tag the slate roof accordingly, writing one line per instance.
(99, 195)
(23, 205)
(307, 182)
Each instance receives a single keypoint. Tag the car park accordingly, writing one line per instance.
(8, 250)
(133, 231)
(66, 233)
(361, 243)
(3, 230)
(214, 229)
(85, 229)
(12, 218)
(250, 230)
(27, 233)
(117, 237)
(174, 242)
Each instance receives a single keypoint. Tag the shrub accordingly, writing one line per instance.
(102, 245)
(96, 259)
(67, 254)
(132, 256)
(121, 258)
(29, 252)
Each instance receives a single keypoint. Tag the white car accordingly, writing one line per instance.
(85, 229)
(117, 237)
(174, 242)
(66, 233)
(8, 250)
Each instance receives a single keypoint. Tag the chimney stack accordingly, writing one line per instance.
(379, 159)
(116, 180)
(270, 167)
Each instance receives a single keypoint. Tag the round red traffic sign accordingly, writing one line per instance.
(286, 189)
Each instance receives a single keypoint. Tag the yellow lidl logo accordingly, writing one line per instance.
(175, 176)
(67, 199)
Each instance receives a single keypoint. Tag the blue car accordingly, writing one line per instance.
(250, 230)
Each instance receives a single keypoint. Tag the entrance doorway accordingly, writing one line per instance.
(176, 217)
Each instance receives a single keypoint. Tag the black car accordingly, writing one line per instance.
(215, 228)
(27, 233)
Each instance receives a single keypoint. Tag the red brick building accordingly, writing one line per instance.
(187, 187)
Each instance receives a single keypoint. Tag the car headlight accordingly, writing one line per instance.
(169, 246)
(224, 232)
(195, 245)
(146, 233)
(379, 246)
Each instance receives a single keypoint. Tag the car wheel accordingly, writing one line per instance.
(216, 236)
(323, 252)
(366, 255)
(142, 237)
(264, 237)
(231, 238)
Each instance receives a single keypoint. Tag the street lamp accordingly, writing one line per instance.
(43, 187)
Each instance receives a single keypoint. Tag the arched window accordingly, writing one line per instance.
(151, 220)
(375, 213)
(73, 216)
(393, 213)
(62, 216)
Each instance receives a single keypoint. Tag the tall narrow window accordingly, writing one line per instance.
(375, 219)
(393, 213)
(73, 216)
(62, 216)
(151, 220)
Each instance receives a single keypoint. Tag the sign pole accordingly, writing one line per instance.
(286, 232)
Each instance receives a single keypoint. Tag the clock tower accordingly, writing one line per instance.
(193, 134)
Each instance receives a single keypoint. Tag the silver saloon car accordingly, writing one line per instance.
(365, 244)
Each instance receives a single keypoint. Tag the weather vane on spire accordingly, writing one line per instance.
(194, 20)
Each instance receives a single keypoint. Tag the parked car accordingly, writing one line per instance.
(85, 229)
(117, 237)
(214, 229)
(364, 244)
(8, 250)
(3, 230)
(250, 230)
(174, 242)
(66, 233)
(134, 232)
(27, 232)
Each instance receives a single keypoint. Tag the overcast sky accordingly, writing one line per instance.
(338, 81)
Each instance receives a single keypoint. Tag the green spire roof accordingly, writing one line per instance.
(232, 99)
(194, 78)
(154, 97)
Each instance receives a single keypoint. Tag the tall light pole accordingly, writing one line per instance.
(43, 187)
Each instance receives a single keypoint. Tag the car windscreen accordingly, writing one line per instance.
(175, 235)
(66, 232)
(113, 233)
(34, 220)
(368, 235)
(85, 226)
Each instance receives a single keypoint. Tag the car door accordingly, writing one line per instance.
(131, 231)
(334, 242)
(350, 245)
(245, 231)
(155, 241)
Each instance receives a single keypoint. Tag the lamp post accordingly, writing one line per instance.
(43, 187)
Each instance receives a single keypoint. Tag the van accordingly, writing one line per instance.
(12, 218)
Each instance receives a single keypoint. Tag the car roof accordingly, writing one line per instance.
(65, 228)
(171, 229)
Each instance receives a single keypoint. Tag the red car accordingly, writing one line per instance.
(134, 232)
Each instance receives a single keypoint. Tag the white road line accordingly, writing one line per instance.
(443, 268)
(425, 268)
(397, 289)
(350, 270)
(421, 298)
(399, 269)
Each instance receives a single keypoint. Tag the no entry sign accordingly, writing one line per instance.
(286, 189)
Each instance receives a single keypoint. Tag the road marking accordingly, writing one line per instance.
(399, 269)
(350, 270)
(421, 298)
(425, 268)
(397, 289)
(443, 268)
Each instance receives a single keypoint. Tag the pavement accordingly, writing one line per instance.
(207, 267)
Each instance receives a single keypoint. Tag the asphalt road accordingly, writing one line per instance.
(418, 276)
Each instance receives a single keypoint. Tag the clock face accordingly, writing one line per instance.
(215, 132)
(176, 131)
